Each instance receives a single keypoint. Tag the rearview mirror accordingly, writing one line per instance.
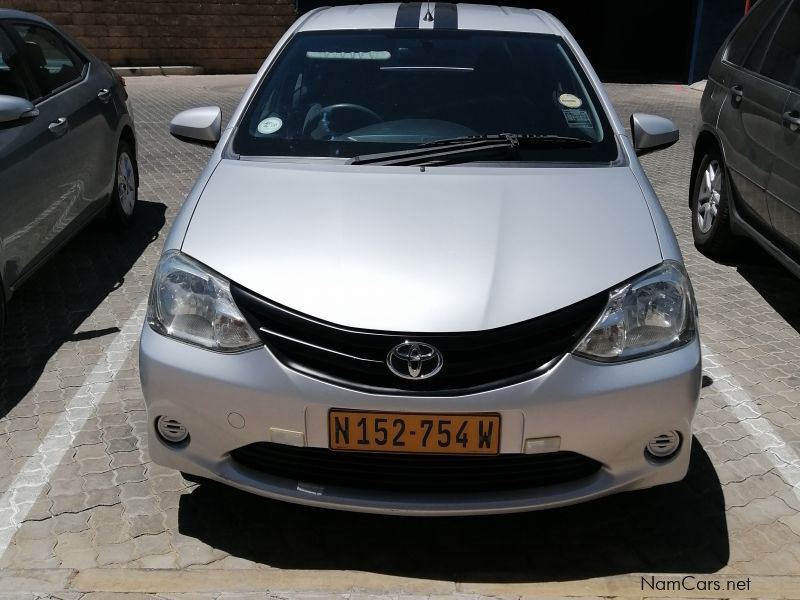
(13, 108)
(651, 133)
(198, 125)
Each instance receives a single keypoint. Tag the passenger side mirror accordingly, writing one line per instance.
(13, 108)
(198, 125)
(651, 133)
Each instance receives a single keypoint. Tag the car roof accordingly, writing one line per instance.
(7, 13)
(410, 15)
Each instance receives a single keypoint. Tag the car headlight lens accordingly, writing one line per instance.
(653, 313)
(191, 303)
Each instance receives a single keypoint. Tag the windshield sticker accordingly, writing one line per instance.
(371, 55)
(570, 101)
(577, 118)
(270, 125)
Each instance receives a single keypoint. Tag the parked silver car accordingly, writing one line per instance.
(746, 169)
(67, 145)
(423, 273)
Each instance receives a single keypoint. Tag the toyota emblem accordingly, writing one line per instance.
(414, 360)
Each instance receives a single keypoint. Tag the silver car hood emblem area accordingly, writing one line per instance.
(414, 360)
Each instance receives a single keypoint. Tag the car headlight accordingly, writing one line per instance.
(191, 303)
(653, 313)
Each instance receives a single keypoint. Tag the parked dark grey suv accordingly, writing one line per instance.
(746, 169)
(67, 145)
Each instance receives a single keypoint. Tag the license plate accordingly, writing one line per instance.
(414, 432)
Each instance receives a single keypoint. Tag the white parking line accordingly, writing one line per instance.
(741, 405)
(28, 485)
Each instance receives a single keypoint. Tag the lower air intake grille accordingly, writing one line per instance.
(415, 473)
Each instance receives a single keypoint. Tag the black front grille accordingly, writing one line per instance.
(415, 473)
(472, 361)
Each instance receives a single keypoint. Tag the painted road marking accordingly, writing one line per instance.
(742, 406)
(28, 485)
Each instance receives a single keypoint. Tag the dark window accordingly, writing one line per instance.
(50, 60)
(782, 60)
(751, 38)
(12, 71)
(347, 93)
(795, 81)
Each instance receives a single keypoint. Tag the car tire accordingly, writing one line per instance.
(126, 191)
(711, 225)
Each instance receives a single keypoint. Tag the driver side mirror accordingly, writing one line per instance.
(198, 125)
(13, 108)
(651, 133)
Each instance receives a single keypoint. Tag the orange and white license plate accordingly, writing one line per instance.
(414, 432)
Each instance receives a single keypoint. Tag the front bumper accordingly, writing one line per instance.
(606, 412)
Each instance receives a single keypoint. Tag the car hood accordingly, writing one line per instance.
(441, 250)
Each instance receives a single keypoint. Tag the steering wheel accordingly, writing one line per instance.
(327, 110)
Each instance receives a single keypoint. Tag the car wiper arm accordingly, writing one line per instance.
(425, 154)
(515, 139)
(452, 150)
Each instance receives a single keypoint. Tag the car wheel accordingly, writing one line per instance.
(711, 225)
(125, 195)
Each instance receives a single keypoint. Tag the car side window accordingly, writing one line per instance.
(755, 28)
(53, 64)
(782, 59)
(12, 72)
(795, 81)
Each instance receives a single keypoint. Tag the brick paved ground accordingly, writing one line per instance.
(93, 513)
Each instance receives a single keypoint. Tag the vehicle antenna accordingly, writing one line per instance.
(428, 16)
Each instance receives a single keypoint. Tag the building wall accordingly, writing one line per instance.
(232, 36)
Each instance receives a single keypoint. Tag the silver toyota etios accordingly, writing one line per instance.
(423, 273)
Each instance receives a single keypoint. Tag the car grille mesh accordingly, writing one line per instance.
(415, 473)
(473, 361)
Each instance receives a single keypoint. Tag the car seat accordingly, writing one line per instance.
(38, 65)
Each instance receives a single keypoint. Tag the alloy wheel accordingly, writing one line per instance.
(709, 195)
(126, 183)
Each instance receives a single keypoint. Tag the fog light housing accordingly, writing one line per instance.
(664, 444)
(171, 430)
(542, 445)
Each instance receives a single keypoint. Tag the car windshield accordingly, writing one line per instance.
(349, 93)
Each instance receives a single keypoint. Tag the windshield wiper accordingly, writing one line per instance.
(461, 149)
(515, 139)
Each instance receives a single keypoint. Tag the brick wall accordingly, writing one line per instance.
(232, 36)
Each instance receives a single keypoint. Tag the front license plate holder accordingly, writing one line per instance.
(413, 433)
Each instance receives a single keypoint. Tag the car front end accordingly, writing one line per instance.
(575, 427)
(383, 332)
(593, 393)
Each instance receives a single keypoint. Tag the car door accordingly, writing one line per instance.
(782, 65)
(750, 120)
(80, 104)
(34, 165)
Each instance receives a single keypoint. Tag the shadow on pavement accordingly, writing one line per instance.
(669, 529)
(50, 306)
(773, 282)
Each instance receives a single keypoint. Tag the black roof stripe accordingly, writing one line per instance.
(446, 16)
(408, 15)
